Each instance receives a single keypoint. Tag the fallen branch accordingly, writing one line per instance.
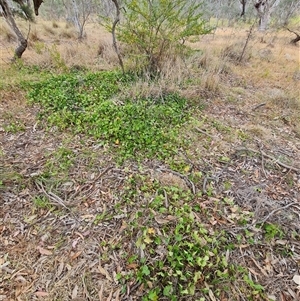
(297, 39)
(269, 157)
(275, 211)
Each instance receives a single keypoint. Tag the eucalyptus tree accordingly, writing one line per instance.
(22, 8)
(78, 12)
(286, 10)
(264, 10)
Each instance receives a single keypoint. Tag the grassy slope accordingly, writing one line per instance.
(77, 225)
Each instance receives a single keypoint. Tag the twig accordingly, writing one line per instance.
(269, 157)
(101, 174)
(203, 132)
(186, 179)
(52, 196)
(258, 106)
(276, 210)
(246, 43)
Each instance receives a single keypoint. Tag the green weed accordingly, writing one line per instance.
(272, 231)
(181, 253)
(14, 127)
(84, 103)
(41, 202)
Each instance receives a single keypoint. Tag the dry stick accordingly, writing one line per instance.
(246, 43)
(203, 132)
(276, 210)
(52, 196)
(258, 106)
(268, 156)
(101, 174)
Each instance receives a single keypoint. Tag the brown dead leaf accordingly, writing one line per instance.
(60, 268)
(109, 298)
(296, 279)
(44, 251)
(74, 292)
(77, 254)
(100, 293)
(132, 266)
(41, 294)
(104, 273)
(253, 272)
(117, 295)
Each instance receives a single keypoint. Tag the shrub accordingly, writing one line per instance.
(156, 31)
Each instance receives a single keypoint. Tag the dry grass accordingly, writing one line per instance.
(269, 63)
(47, 38)
(7, 34)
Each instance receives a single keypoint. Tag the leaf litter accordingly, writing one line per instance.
(71, 245)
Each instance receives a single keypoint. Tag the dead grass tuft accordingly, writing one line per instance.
(234, 53)
(7, 34)
(68, 33)
(55, 24)
(34, 36)
(211, 82)
(48, 30)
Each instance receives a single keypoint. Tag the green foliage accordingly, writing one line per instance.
(57, 61)
(84, 103)
(181, 255)
(155, 31)
(24, 11)
(42, 202)
(272, 231)
(14, 126)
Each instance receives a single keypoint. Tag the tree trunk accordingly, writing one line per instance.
(264, 21)
(264, 10)
(243, 13)
(76, 20)
(7, 13)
